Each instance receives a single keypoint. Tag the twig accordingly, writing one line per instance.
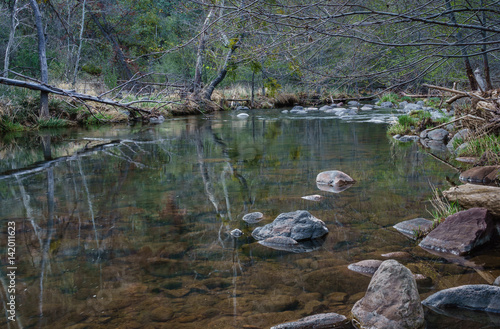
(465, 116)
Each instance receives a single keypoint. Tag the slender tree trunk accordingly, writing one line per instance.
(106, 30)
(10, 43)
(468, 67)
(223, 71)
(486, 64)
(200, 55)
(253, 88)
(78, 54)
(44, 71)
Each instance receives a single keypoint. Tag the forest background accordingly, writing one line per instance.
(158, 56)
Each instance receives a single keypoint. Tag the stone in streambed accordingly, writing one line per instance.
(461, 233)
(317, 321)
(472, 196)
(334, 181)
(315, 197)
(414, 227)
(479, 297)
(391, 301)
(253, 217)
(298, 225)
(366, 267)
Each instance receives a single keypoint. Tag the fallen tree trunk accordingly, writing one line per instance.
(71, 93)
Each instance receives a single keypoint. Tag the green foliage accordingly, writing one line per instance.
(389, 97)
(441, 207)
(97, 119)
(406, 120)
(272, 86)
(53, 123)
(487, 146)
(92, 69)
(7, 125)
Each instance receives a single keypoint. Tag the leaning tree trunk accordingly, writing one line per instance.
(223, 71)
(42, 54)
(460, 39)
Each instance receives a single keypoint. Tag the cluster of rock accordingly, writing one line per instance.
(339, 109)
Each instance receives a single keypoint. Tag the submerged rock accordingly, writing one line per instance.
(317, 321)
(253, 217)
(414, 228)
(391, 301)
(479, 297)
(298, 225)
(291, 245)
(461, 233)
(315, 197)
(366, 267)
(471, 196)
(398, 255)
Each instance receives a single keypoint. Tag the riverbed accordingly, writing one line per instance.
(129, 226)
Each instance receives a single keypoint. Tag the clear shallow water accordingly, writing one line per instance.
(128, 226)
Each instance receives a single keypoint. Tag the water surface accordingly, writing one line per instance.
(128, 226)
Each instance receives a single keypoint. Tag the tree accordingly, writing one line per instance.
(42, 54)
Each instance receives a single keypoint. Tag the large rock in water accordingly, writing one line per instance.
(391, 300)
(317, 321)
(479, 297)
(461, 233)
(473, 196)
(298, 225)
(334, 181)
(482, 175)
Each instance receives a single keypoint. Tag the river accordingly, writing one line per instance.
(128, 226)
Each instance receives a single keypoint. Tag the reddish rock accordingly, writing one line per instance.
(481, 175)
(461, 233)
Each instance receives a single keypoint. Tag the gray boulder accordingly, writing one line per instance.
(407, 138)
(325, 107)
(242, 108)
(333, 177)
(387, 105)
(414, 227)
(461, 233)
(297, 108)
(253, 217)
(479, 297)
(391, 301)
(412, 107)
(317, 321)
(334, 181)
(438, 134)
(298, 225)
(402, 105)
(353, 103)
